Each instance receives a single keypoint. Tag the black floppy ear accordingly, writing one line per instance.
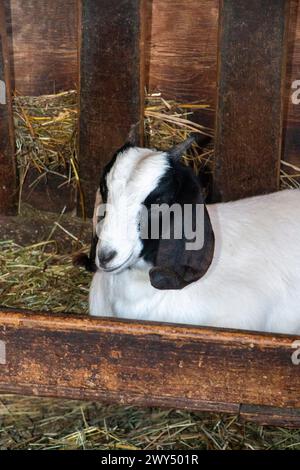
(82, 259)
(176, 266)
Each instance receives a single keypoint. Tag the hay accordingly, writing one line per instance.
(46, 138)
(169, 122)
(289, 176)
(39, 279)
(37, 423)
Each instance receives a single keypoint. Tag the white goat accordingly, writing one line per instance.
(249, 279)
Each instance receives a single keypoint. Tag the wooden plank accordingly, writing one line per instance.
(147, 363)
(271, 416)
(44, 45)
(8, 185)
(252, 52)
(183, 51)
(111, 83)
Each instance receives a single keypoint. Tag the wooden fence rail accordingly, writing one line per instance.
(149, 364)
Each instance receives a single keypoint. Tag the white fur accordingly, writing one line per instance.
(132, 177)
(253, 282)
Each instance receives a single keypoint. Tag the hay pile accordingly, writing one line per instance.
(37, 278)
(168, 123)
(46, 138)
(41, 277)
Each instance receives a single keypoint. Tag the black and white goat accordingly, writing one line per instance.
(246, 275)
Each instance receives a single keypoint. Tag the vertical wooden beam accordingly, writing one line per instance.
(111, 83)
(8, 184)
(252, 50)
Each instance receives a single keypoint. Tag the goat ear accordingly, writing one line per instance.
(176, 266)
(200, 139)
(82, 259)
(133, 135)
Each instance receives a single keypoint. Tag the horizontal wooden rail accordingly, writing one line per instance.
(127, 362)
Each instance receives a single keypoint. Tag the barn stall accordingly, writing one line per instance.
(242, 61)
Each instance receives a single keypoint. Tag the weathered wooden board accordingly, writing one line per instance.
(249, 117)
(44, 45)
(149, 364)
(8, 182)
(111, 83)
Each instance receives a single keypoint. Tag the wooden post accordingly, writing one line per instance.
(252, 50)
(8, 184)
(111, 83)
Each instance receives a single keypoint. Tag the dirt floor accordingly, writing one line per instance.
(36, 272)
(34, 226)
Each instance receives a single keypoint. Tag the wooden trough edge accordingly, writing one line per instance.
(151, 364)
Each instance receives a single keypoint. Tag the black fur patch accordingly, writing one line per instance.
(178, 179)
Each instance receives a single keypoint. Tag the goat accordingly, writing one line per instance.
(246, 275)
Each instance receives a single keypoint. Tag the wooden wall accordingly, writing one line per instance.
(181, 53)
(183, 50)
(44, 41)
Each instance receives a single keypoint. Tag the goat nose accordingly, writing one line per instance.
(106, 256)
